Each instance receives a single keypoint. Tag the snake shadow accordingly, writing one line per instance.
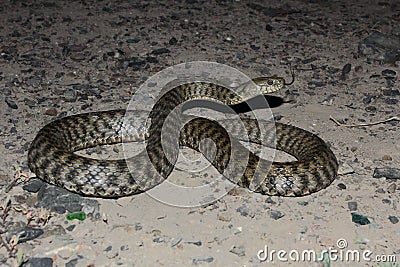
(258, 102)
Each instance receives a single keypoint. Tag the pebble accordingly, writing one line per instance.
(173, 41)
(33, 185)
(387, 172)
(393, 219)
(38, 262)
(51, 112)
(352, 205)
(268, 27)
(60, 200)
(348, 197)
(345, 168)
(70, 228)
(160, 51)
(341, 186)
(302, 203)
(70, 95)
(389, 73)
(276, 214)
(224, 216)
(24, 233)
(54, 230)
(133, 40)
(246, 211)
(379, 47)
(29, 102)
(240, 251)
(345, 71)
(269, 200)
(199, 260)
(392, 188)
(11, 104)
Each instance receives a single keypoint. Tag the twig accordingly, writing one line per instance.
(364, 124)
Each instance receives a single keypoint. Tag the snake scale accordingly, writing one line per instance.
(51, 155)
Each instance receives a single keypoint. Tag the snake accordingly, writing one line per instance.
(52, 156)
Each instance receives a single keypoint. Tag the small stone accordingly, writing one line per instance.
(29, 102)
(341, 186)
(38, 262)
(359, 218)
(345, 168)
(240, 251)
(160, 51)
(246, 211)
(33, 186)
(390, 173)
(24, 233)
(392, 188)
(55, 229)
(276, 214)
(348, 197)
(345, 71)
(51, 112)
(71, 227)
(11, 103)
(380, 191)
(303, 203)
(224, 216)
(199, 260)
(387, 157)
(268, 27)
(393, 219)
(124, 248)
(269, 200)
(173, 41)
(386, 201)
(133, 40)
(138, 227)
(352, 205)
(70, 95)
(388, 73)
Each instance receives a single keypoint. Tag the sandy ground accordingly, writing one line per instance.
(68, 58)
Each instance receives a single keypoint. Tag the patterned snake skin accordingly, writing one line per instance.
(51, 155)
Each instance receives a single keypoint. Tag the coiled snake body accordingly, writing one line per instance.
(51, 155)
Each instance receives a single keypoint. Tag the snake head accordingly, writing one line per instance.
(268, 85)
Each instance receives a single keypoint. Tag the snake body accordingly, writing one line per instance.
(51, 155)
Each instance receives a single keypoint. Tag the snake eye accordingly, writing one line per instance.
(270, 82)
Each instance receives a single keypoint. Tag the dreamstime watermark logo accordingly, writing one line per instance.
(155, 92)
(339, 254)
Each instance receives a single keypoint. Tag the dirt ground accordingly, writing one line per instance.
(64, 58)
